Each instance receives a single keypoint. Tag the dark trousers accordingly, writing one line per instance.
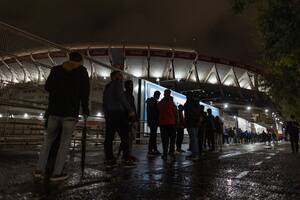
(152, 141)
(179, 137)
(294, 143)
(116, 122)
(201, 139)
(168, 136)
(211, 140)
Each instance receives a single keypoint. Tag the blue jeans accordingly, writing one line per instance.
(56, 124)
(194, 140)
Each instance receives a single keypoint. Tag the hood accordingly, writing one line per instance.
(69, 65)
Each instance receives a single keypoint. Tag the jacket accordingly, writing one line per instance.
(192, 114)
(167, 112)
(114, 98)
(68, 87)
(152, 112)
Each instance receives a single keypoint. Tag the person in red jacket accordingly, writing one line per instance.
(167, 122)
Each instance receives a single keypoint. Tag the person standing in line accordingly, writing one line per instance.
(192, 117)
(201, 129)
(210, 130)
(133, 120)
(292, 129)
(117, 112)
(152, 121)
(69, 88)
(231, 135)
(167, 122)
(219, 132)
(180, 130)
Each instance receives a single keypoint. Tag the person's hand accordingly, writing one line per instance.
(131, 114)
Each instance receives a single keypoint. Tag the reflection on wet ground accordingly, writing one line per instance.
(252, 171)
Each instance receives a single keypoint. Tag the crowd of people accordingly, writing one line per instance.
(237, 136)
(68, 87)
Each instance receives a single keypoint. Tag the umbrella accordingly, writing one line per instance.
(83, 147)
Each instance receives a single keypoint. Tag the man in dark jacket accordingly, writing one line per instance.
(117, 111)
(152, 121)
(292, 128)
(202, 127)
(180, 129)
(210, 130)
(133, 121)
(68, 87)
(192, 117)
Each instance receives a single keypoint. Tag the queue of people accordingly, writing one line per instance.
(68, 87)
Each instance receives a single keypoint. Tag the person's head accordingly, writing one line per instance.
(202, 108)
(217, 118)
(180, 107)
(209, 111)
(189, 96)
(129, 85)
(156, 94)
(116, 75)
(76, 58)
(167, 93)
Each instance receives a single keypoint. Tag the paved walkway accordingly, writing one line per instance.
(252, 171)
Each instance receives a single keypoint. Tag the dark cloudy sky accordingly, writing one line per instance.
(209, 26)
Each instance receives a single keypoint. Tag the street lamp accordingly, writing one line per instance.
(225, 105)
(248, 108)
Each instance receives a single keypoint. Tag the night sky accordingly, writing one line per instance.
(210, 27)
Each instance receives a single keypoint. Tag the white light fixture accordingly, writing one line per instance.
(266, 110)
(41, 114)
(248, 108)
(104, 77)
(25, 115)
(281, 122)
(234, 117)
(1, 115)
(99, 114)
(157, 79)
(226, 105)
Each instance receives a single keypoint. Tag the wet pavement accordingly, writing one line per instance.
(251, 171)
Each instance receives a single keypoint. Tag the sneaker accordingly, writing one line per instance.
(61, 177)
(177, 152)
(164, 157)
(132, 158)
(128, 164)
(181, 151)
(38, 174)
(110, 163)
(151, 154)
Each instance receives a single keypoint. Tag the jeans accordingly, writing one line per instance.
(194, 140)
(218, 140)
(116, 121)
(294, 143)
(168, 136)
(201, 139)
(179, 137)
(152, 141)
(56, 124)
